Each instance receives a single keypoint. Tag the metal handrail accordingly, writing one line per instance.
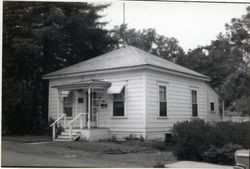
(70, 124)
(57, 120)
(75, 118)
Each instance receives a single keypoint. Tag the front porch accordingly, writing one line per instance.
(84, 134)
(79, 107)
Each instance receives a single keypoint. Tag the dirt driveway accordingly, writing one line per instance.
(81, 154)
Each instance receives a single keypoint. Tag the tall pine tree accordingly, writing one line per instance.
(40, 37)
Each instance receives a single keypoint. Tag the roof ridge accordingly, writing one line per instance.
(164, 60)
(133, 49)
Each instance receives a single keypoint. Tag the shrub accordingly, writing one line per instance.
(223, 155)
(190, 139)
(132, 137)
(200, 141)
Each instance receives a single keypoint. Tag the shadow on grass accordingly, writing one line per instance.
(27, 138)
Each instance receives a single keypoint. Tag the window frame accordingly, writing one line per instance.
(67, 106)
(159, 101)
(197, 105)
(125, 105)
(212, 102)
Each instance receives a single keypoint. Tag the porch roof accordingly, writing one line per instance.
(84, 85)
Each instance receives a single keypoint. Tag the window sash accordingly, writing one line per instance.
(194, 96)
(162, 93)
(163, 109)
(194, 110)
(68, 111)
(162, 101)
(212, 106)
(194, 103)
(68, 105)
(118, 108)
(119, 104)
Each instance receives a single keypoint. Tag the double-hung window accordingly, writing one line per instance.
(119, 104)
(194, 103)
(162, 101)
(68, 105)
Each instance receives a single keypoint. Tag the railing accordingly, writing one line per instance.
(71, 122)
(236, 119)
(54, 124)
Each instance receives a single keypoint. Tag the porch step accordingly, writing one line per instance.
(65, 136)
(68, 133)
(61, 139)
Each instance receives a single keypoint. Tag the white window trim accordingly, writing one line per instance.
(73, 106)
(125, 106)
(211, 101)
(191, 113)
(158, 100)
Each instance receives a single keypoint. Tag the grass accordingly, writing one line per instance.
(27, 138)
(129, 146)
(132, 153)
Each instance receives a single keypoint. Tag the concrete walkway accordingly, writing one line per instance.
(192, 164)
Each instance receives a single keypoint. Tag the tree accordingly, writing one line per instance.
(40, 37)
(226, 61)
(148, 40)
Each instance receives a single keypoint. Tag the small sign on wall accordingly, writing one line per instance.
(104, 106)
(80, 100)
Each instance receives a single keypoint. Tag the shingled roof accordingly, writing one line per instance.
(122, 58)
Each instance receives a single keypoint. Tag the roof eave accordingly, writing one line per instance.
(55, 76)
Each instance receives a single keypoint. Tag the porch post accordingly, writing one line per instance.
(223, 111)
(59, 103)
(89, 110)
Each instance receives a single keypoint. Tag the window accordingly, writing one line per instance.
(194, 103)
(162, 101)
(118, 104)
(212, 106)
(68, 105)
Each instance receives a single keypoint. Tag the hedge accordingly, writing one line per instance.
(211, 142)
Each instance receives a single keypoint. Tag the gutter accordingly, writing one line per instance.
(119, 69)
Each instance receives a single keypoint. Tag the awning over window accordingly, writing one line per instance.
(115, 88)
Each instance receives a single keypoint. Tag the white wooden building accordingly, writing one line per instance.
(127, 91)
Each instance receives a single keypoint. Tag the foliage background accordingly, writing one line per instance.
(40, 37)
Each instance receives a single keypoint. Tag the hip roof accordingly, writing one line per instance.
(121, 58)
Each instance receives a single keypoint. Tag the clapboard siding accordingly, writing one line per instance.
(212, 96)
(53, 95)
(132, 123)
(178, 101)
(141, 116)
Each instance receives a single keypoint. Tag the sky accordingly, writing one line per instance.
(192, 24)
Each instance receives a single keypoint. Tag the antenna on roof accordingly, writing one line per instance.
(123, 7)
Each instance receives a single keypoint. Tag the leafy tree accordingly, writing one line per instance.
(148, 40)
(226, 61)
(40, 37)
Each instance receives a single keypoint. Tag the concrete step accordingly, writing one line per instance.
(68, 133)
(73, 130)
(61, 139)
